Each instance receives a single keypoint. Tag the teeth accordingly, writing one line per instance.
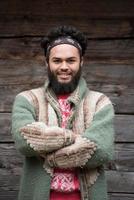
(64, 74)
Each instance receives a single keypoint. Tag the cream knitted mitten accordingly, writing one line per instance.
(75, 155)
(43, 138)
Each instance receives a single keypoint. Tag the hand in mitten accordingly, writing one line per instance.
(75, 155)
(43, 138)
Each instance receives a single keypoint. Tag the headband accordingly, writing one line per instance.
(63, 40)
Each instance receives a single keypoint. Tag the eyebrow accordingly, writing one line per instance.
(73, 57)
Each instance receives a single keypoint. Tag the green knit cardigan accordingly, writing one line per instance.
(35, 182)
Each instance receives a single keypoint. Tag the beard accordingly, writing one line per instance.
(63, 88)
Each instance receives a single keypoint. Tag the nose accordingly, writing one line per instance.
(64, 66)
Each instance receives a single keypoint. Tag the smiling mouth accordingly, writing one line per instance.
(64, 75)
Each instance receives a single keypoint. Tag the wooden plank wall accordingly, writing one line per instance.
(109, 26)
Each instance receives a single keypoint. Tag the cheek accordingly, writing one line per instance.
(52, 67)
(75, 68)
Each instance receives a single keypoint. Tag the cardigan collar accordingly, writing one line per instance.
(75, 97)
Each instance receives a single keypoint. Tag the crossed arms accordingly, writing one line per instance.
(60, 147)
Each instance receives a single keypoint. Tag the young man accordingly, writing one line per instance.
(63, 129)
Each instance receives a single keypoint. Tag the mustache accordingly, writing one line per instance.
(62, 71)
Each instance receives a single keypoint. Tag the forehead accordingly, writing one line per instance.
(64, 51)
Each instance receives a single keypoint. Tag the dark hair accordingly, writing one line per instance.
(60, 31)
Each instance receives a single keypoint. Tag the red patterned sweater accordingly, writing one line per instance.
(65, 184)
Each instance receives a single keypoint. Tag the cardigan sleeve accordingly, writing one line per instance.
(101, 131)
(23, 113)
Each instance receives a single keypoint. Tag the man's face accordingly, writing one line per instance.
(64, 62)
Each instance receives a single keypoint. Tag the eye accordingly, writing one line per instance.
(71, 61)
(56, 61)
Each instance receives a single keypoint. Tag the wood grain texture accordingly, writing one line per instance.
(12, 195)
(123, 159)
(124, 128)
(37, 25)
(92, 8)
(122, 182)
(28, 71)
(121, 196)
(10, 170)
(114, 51)
(5, 127)
(108, 68)
(124, 155)
(122, 96)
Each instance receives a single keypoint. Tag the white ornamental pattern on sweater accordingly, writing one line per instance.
(65, 109)
(63, 182)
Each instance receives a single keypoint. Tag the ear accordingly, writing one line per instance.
(46, 63)
(81, 62)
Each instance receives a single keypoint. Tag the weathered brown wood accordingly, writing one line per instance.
(10, 158)
(9, 186)
(108, 68)
(12, 195)
(21, 48)
(108, 62)
(21, 71)
(117, 181)
(120, 181)
(93, 28)
(124, 128)
(28, 71)
(11, 164)
(92, 8)
(105, 51)
(8, 93)
(119, 74)
(112, 50)
(124, 155)
(123, 159)
(121, 196)
(121, 95)
(6, 194)
(5, 127)
(103, 64)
